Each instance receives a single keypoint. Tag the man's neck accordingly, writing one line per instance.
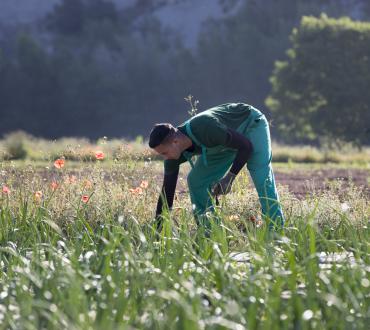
(186, 142)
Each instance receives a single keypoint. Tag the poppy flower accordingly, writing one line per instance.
(70, 179)
(54, 185)
(136, 191)
(38, 195)
(59, 163)
(144, 184)
(6, 190)
(85, 198)
(99, 155)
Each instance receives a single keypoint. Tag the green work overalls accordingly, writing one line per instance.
(214, 162)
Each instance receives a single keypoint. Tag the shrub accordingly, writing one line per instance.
(15, 145)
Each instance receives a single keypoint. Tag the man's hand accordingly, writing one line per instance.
(158, 222)
(223, 187)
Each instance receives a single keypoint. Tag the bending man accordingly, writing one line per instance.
(224, 138)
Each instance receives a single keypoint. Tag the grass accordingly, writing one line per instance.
(101, 265)
(19, 145)
(314, 155)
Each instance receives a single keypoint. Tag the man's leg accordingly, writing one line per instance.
(201, 178)
(260, 169)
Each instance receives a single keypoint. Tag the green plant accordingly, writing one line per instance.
(15, 145)
(85, 256)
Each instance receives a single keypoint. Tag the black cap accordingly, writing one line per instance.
(159, 133)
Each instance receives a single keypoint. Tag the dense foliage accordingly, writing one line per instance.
(322, 90)
(89, 69)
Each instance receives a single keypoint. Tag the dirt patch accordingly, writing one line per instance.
(305, 182)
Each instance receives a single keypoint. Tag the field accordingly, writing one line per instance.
(78, 249)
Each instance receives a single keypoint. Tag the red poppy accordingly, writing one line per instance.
(70, 179)
(59, 163)
(136, 191)
(85, 198)
(54, 185)
(38, 195)
(6, 190)
(99, 155)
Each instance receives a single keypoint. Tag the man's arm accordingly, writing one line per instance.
(167, 194)
(244, 146)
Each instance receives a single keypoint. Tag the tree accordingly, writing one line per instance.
(67, 17)
(118, 71)
(236, 54)
(322, 90)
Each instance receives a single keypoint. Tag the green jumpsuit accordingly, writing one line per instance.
(208, 130)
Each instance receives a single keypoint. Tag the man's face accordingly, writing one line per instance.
(169, 150)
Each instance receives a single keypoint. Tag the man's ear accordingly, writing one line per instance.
(175, 141)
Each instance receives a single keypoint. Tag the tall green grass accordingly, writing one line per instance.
(66, 264)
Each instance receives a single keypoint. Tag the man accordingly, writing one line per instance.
(224, 138)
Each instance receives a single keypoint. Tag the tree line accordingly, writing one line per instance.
(89, 69)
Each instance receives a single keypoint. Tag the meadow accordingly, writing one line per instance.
(79, 250)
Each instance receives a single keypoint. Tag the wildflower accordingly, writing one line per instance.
(87, 184)
(70, 179)
(38, 196)
(136, 191)
(144, 184)
(54, 185)
(307, 315)
(85, 198)
(99, 155)
(6, 190)
(59, 163)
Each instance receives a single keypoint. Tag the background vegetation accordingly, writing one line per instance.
(21, 146)
(90, 69)
(327, 102)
